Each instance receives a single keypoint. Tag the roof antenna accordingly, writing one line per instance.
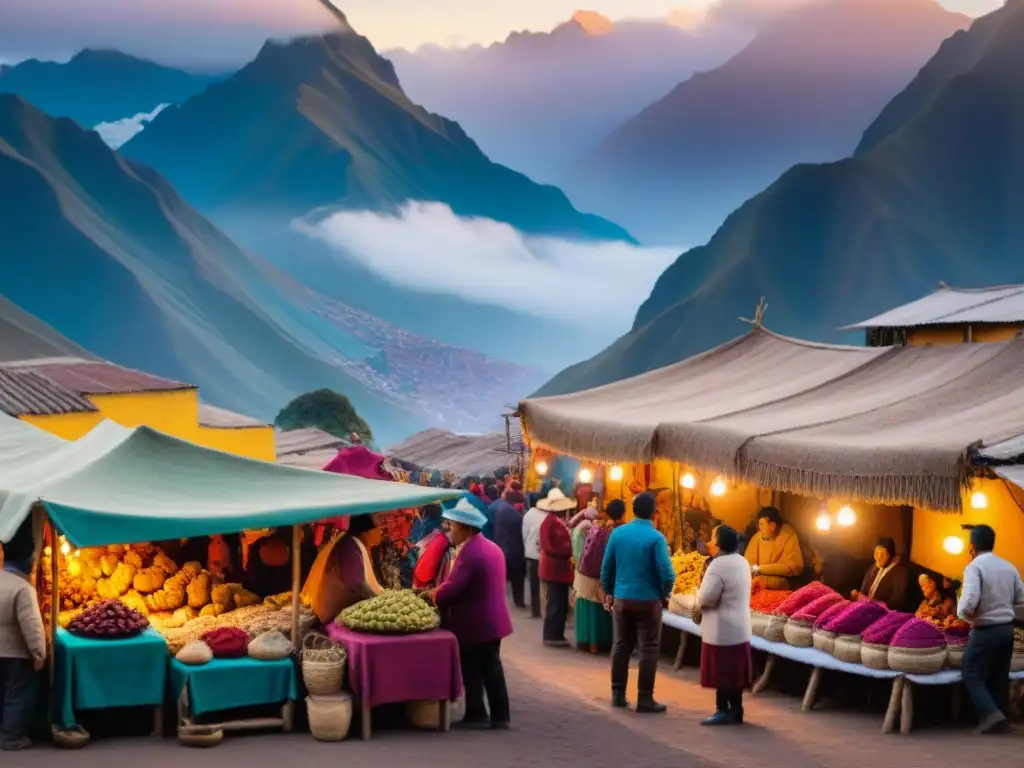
(943, 286)
(762, 305)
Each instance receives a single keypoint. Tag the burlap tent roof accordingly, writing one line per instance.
(893, 425)
(462, 455)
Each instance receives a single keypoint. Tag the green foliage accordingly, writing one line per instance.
(330, 411)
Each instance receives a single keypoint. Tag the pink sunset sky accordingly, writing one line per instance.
(211, 33)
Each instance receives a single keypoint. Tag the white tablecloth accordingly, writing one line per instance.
(816, 658)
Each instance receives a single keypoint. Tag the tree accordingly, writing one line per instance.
(330, 411)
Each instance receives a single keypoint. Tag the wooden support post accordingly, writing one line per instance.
(54, 600)
(765, 678)
(158, 722)
(444, 716)
(367, 719)
(889, 724)
(288, 716)
(812, 689)
(907, 708)
(296, 585)
(684, 639)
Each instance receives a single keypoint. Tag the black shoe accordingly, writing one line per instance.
(501, 725)
(650, 707)
(474, 725)
(619, 700)
(995, 723)
(17, 745)
(557, 643)
(737, 717)
(719, 718)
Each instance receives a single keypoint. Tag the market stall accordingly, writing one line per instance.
(111, 493)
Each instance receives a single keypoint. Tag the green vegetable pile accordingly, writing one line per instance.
(392, 612)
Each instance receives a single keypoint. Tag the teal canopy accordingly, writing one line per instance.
(122, 486)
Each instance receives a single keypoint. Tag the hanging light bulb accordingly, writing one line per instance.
(824, 522)
(979, 500)
(954, 545)
(615, 474)
(585, 476)
(718, 487)
(64, 546)
(541, 468)
(846, 516)
(688, 481)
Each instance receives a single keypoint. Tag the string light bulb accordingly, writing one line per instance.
(541, 467)
(688, 481)
(615, 474)
(846, 516)
(824, 522)
(718, 487)
(64, 546)
(979, 500)
(954, 545)
(585, 476)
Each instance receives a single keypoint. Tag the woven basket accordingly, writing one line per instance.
(847, 648)
(426, 714)
(759, 623)
(200, 736)
(917, 661)
(799, 634)
(955, 655)
(776, 629)
(329, 716)
(874, 656)
(824, 641)
(70, 738)
(1017, 662)
(323, 665)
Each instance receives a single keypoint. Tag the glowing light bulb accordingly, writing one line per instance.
(718, 487)
(846, 516)
(954, 545)
(823, 523)
(541, 467)
(64, 547)
(585, 476)
(979, 500)
(688, 481)
(615, 473)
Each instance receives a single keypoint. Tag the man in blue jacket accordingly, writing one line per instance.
(637, 575)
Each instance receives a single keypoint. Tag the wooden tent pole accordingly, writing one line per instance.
(296, 586)
(54, 598)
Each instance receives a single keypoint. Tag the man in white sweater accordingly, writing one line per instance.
(532, 522)
(992, 596)
(22, 654)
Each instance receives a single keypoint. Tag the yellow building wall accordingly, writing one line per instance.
(995, 332)
(957, 334)
(70, 426)
(253, 442)
(1003, 513)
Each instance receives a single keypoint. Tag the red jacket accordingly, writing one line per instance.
(555, 550)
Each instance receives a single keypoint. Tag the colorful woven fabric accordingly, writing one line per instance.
(918, 633)
(829, 613)
(855, 618)
(882, 631)
(815, 608)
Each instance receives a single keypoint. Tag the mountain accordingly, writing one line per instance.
(323, 121)
(99, 86)
(536, 100)
(935, 197)
(802, 91)
(106, 252)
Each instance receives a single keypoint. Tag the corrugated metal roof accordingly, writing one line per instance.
(461, 454)
(299, 441)
(24, 393)
(102, 378)
(312, 460)
(211, 416)
(1002, 304)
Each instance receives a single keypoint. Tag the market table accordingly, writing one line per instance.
(901, 696)
(388, 669)
(225, 684)
(97, 674)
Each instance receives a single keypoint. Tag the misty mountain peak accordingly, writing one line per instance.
(592, 22)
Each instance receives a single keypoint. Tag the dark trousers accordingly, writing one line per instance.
(730, 701)
(515, 568)
(557, 611)
(482, 671)
(986, 669)
(636, 623)
(18, 691)
(533, 573)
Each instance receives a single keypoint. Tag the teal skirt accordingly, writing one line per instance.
(593, 627)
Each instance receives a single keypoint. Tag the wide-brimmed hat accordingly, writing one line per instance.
(464, 512)
(556, 501)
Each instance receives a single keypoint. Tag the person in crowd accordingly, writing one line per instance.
(724, 600)
(637, 574)
(555, 567)
(938, 603)
(774, 552)
(886, 579)
(435, 561)
(269, 568)
(992, 598)
(508, 535)
(532, 522)
(473, 607)
(514, 495)
(593, 620)
(22, 648)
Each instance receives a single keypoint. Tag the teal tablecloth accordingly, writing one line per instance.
(96, 674)
(234, 683)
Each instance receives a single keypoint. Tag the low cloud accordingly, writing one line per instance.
(426, 247)
(118, 132)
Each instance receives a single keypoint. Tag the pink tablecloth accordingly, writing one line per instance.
(385, 669)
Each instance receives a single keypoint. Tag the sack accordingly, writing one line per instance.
(195, 654)
(593, 551)
(270, 646)
(227, 642)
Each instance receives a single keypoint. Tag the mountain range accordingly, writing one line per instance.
(802, 91)
(105, 251)
(934, 193)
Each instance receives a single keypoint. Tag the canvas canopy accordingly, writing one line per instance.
(462, 455)
(894, 425)
(1012, 472)
(120, 486)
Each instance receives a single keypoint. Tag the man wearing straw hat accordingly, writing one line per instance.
(556, 571)
(473, 608)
